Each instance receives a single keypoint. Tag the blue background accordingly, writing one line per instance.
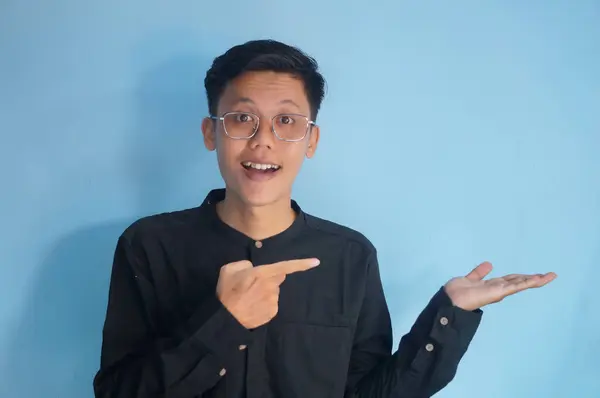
(452, 133)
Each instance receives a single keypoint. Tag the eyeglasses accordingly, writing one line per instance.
(288, 127)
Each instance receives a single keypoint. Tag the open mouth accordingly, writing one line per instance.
(261, 167)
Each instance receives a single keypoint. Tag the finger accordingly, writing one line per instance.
(525, 282)
(480, 272)
(512, 277)
(522, 284)
(286, 267)
(513, 280)
(276, 280)
(544, 279)
(266, 291)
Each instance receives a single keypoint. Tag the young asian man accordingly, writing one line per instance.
(247, 295)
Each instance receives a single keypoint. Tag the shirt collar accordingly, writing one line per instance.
(210, 209)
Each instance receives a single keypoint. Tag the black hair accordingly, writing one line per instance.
(264, 55)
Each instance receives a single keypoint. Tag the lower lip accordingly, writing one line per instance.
(256, 175)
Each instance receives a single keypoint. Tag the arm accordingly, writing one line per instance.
(427, 357)
(137, 361)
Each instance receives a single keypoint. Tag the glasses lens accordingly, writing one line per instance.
(290, 127)
(240, 124)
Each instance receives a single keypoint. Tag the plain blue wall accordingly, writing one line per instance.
(452, 133)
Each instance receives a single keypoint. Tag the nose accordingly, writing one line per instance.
(264, 136)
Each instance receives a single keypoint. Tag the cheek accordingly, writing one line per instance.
(294, 156)
(228, 152)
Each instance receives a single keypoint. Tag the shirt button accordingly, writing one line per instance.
(222, 372)
(429, 347)
(242, 347)
(258, 244)
(444, 320)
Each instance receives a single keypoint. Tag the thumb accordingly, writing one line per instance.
(237, 266)
(480, 272)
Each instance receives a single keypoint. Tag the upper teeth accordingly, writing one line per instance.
(260, 166)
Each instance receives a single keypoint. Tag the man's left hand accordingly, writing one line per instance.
(471, 292)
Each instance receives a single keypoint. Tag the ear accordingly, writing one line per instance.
(209, 133)
(313, 141)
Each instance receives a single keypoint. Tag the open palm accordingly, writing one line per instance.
(471, 291)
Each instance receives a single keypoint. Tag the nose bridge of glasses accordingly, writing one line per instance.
(263, 130)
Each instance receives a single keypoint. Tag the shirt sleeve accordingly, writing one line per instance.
(428, 356)
(138, 360)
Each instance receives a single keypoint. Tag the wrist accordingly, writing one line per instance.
(458, 299)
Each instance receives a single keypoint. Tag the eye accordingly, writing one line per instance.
(244, 118)
(284, 119)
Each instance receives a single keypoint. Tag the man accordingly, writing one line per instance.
(249, 296)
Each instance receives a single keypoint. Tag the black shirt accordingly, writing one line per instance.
(167, 335)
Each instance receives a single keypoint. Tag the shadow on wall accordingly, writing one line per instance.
(56, 351)
(56, 345)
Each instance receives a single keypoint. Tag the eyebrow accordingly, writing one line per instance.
(249, 101)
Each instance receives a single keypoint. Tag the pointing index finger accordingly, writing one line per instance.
(286, 267)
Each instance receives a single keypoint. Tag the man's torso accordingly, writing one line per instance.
(306, 348)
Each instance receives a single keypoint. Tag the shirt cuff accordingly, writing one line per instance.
(447, 327)
(452, 323)
(217, 330)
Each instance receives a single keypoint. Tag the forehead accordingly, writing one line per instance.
(266, 91)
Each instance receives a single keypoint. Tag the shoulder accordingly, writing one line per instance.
(155, 226)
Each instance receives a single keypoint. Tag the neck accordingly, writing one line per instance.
(256, 222)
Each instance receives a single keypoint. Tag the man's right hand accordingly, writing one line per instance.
(251, 294)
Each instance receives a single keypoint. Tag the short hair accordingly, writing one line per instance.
(264, 55)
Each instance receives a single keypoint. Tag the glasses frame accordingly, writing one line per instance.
(309, 125)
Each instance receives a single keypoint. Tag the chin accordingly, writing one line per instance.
(258, 196)
(259, 199)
